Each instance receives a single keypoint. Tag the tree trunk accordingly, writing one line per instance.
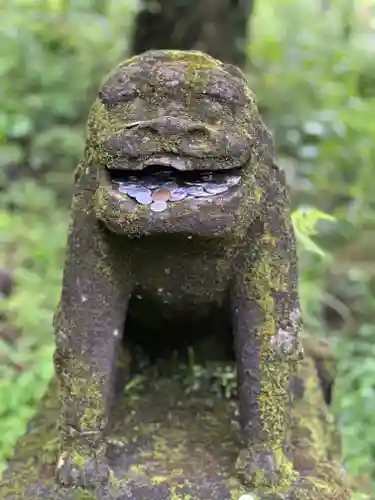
(217, 27)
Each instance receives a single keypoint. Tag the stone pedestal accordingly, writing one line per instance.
(180, 446)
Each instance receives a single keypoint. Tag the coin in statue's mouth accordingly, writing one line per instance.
(157, 185)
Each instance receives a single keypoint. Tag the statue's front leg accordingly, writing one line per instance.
(266, 324)
(89, 325)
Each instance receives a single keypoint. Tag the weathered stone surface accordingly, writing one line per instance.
(162, 278)
(178, 445)
(226, 250)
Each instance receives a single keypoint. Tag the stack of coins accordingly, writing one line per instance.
(158, 192)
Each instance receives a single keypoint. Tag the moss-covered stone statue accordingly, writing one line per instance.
(181, 230)
(178, 123)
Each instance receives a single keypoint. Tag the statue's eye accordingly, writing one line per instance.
(222, 93)
(113, 96)
(214, 102)
(215, 96)
(121, 88)
(210, 108)
(126, 95)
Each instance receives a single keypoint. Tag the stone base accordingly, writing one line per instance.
(167, 445)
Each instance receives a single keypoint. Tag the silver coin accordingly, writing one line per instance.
(195, 190)
(141, 189)
(178, 194)
(170, 185)
(216, 189)
(125, 187)
(158, 206)
(206, 184)
(212, 188)
(143, 198)
(134, 191)
(203, 193)
(153, 185)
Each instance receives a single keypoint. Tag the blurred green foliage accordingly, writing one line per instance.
(54, 54)
(311, 69)
(316, 85)
(34, 237)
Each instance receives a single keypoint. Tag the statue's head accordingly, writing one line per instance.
(175, 138)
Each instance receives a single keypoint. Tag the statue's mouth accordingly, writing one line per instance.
(167, 180)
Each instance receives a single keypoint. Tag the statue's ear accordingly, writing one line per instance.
(78, 172)
(86, 177)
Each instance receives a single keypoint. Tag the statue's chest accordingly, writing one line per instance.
(179, 280)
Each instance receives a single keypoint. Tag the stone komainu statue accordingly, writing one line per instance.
(181, 218)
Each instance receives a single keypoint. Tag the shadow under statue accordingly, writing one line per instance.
(179, 301)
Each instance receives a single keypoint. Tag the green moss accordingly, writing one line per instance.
(176, 494)
(194, 59)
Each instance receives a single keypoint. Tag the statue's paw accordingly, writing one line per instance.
(265, 470)
(76, 470)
